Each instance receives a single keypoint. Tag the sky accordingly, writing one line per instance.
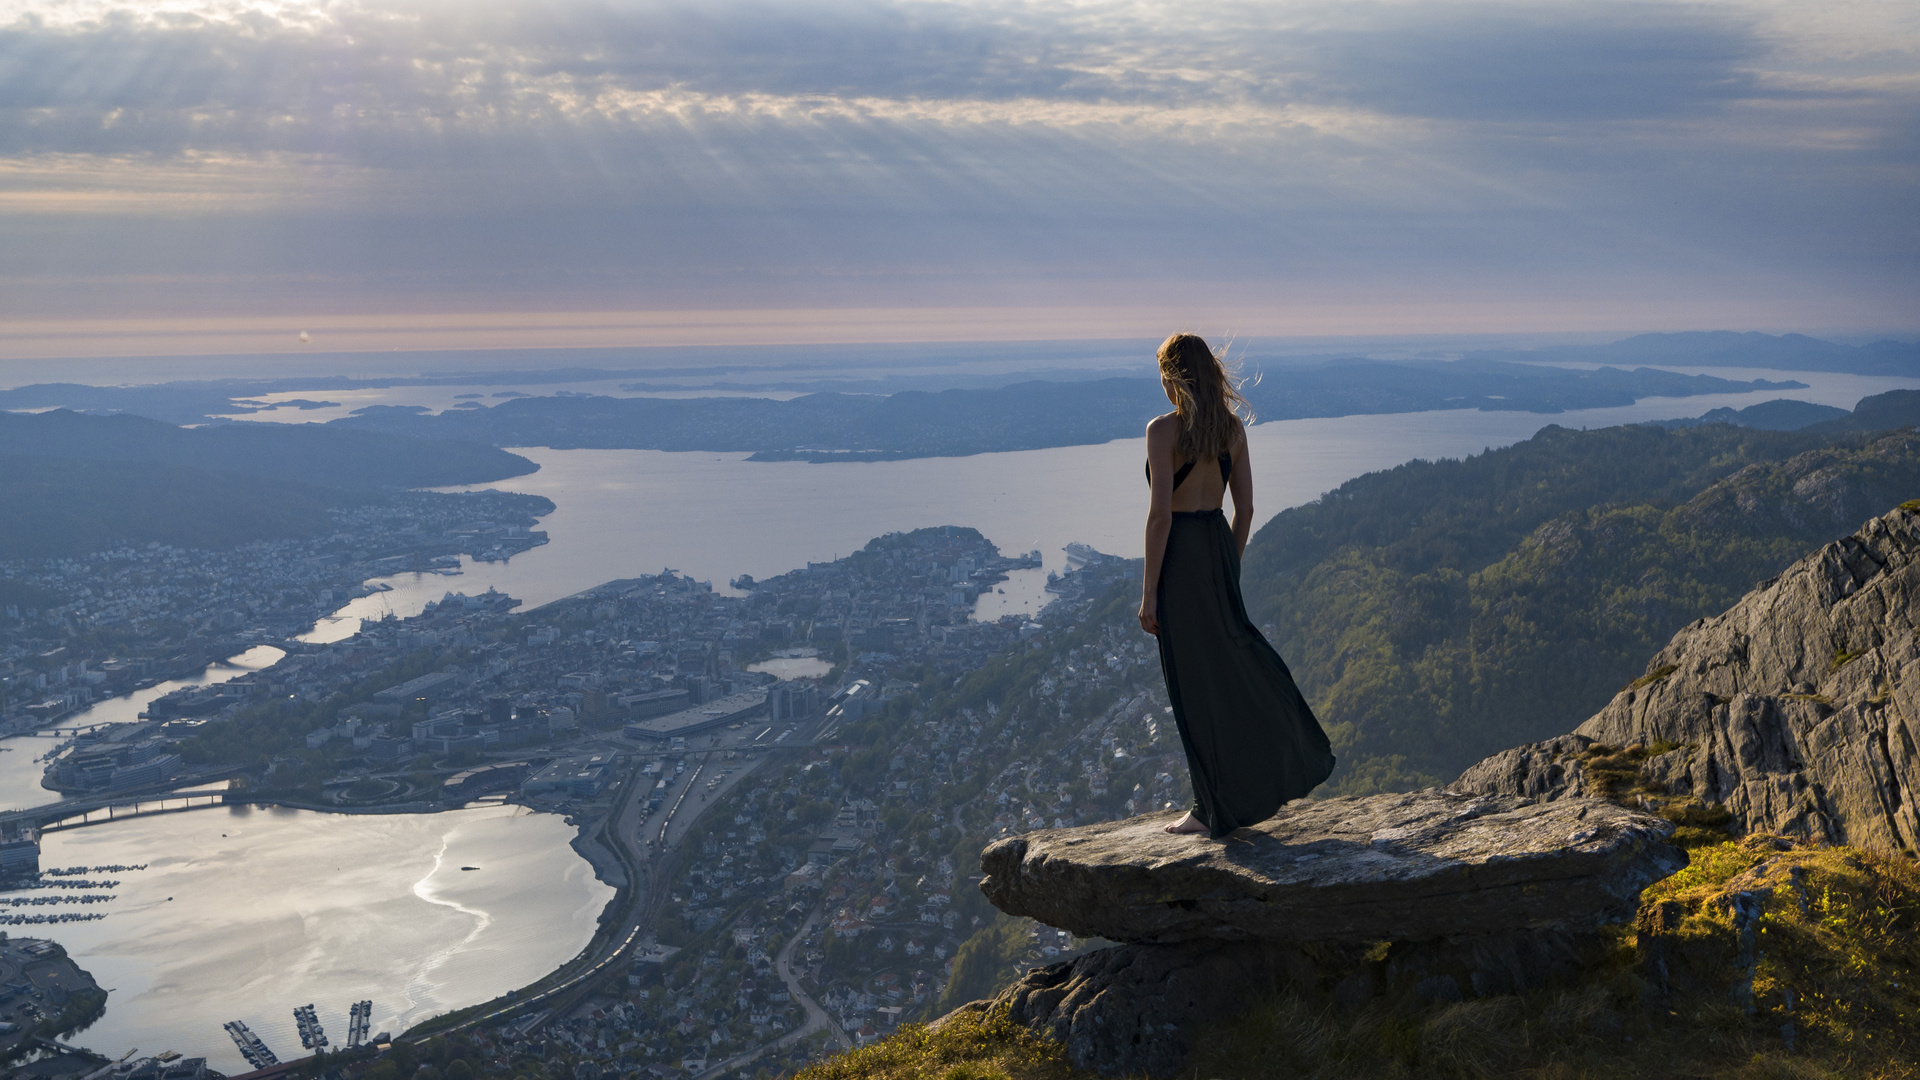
(219, 175)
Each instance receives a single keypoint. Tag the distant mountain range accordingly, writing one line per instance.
(60, 507)
(901, 401)
(1726, 348)
(1024, 416)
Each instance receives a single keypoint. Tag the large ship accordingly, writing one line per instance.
(357, 1021)
(1080, 556)
(311, 1035)
(251, 1047)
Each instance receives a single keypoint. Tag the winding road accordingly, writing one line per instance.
(817, 1017)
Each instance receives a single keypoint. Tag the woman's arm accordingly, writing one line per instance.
(1161, 434)
(1240, 485)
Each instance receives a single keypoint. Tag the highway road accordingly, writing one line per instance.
(646, 845)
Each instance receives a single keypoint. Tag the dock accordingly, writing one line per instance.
(311, 1034)
(251, 1047)
(357, 1021)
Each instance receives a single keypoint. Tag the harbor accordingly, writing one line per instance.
(227, 920)
(34, 747)
(357, 1019)
(41, 986)
(312, 1035)
(251, 1047)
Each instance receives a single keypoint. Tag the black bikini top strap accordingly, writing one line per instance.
(1180, 474)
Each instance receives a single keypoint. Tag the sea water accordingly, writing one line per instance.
(245, 913)
(274, 909)
(21, 767)
(714, 516)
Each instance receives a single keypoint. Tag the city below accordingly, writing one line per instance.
(788, 826)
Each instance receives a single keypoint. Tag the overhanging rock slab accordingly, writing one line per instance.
(1406, 867)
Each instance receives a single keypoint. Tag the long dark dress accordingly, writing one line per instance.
(1252, 742)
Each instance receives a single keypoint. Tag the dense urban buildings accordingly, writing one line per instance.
(796, 851)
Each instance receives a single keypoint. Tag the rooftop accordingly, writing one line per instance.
(701, 717)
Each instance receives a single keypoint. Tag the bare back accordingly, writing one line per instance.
(1203, 488)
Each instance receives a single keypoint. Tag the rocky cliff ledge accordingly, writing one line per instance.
(1408, 867)
(1436, 894)
(1797, 712)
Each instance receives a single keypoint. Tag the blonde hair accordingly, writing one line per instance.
(1206, 397)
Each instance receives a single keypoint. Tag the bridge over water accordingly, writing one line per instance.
(100, 809)
(76, 815)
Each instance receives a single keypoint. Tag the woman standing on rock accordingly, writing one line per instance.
(1252, 743)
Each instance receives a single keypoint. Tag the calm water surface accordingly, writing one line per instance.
(295, 907)
(714, 516)
(21, 768)
(245, 913)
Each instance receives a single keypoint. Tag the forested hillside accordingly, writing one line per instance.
(72, 483)
(303, 453)
(63, 506)
(1441, 611)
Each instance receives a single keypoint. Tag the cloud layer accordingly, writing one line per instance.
(333, 156)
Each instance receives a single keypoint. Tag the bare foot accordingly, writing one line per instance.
(1187, 826)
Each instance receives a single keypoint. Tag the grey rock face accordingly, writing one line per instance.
(1412, 867)
(1134, 1009)
(1798, 710)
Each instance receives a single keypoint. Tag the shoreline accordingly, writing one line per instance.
(586, 903)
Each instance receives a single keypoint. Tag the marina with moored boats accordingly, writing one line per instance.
(251, 1047)
(312, 1036)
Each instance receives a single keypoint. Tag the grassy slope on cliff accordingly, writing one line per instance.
(1826, 985)
(1442, 611)
(1822, 986)
(972, 1046)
